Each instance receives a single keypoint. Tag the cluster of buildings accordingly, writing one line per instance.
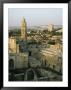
(35, 51)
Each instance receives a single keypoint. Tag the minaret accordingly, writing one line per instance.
(23, 29)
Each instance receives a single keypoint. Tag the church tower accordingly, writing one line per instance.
(23, 29)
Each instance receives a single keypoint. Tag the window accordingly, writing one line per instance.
(11, 64)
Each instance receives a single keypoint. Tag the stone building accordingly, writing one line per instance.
(51, 58)
(18, 58)
(12, 45)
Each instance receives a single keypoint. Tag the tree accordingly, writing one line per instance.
(32, 31)
(45, 31)
(51, 42)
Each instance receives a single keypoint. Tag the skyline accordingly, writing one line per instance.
(35, 17)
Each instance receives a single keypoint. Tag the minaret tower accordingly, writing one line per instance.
(23, 30)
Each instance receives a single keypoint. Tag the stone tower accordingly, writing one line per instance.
(23, 29)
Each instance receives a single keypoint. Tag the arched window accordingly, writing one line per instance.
(29, 53)
(30, 75)
(11, 64)
(53, 67)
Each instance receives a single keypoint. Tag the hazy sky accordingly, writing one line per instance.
(35, 16)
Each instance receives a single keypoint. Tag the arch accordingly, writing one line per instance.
(30, 75)
(11, 64)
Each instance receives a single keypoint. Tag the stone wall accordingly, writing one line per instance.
(51, 61)
(12, 45)
(20, 60)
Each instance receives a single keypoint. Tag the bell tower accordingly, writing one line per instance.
(23, 29)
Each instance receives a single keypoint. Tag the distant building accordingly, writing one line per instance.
(60, 30)
(50, 27)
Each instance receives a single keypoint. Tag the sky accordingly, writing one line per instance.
(34, 16)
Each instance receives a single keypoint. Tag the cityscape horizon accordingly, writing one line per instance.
(37, 55)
